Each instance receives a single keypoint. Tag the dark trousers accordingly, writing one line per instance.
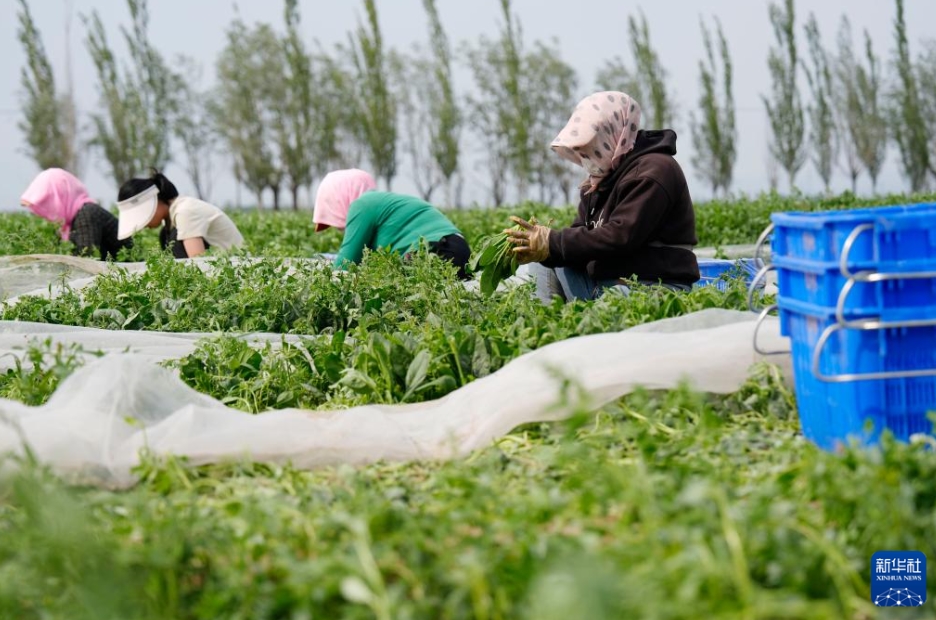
(454, 249)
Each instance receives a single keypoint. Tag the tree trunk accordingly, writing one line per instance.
(427, 192)
(854, 180)
(276, 198)
(295, 197)
(260, 199)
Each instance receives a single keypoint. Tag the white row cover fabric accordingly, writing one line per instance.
(96, 423)
(89, 343)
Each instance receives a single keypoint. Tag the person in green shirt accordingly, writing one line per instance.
(348, 200)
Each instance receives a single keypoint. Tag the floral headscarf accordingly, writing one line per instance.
(602, 130)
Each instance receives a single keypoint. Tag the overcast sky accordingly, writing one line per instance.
(588, 31)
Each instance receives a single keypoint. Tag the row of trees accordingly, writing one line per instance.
(854, 112)
(283, 112)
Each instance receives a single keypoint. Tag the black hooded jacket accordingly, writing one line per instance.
(638, 222)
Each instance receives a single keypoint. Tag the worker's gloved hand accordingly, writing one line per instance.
(531, 242)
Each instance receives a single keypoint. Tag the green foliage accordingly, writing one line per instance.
(739, 221)
(646, 83)
(926, 65)
(909, 125)
(24, 233)
(296, 110)
(495, 259)
(718, 222)
(46, 121)
(708, 506)
(389, 330)
(134, 128)
(860, 106)
(374, 107)
(615, 75)
(446, 114)
(35, 375)
(552, 84)
(194, 127)
(660, 108)
(500, 110)
(785, 108)
(250, 76)
(715, 132)
(823, 135)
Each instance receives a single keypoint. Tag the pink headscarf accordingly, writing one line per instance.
(56, 195)
(335, 194)
(602, 130)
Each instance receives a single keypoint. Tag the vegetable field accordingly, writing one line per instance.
(661, 505)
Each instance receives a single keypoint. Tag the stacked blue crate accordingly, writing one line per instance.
(857, 296)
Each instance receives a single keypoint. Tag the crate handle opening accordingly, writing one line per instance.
(867, 324)
(870, 275)
(756, 284)
(759, 246)
(760, 321)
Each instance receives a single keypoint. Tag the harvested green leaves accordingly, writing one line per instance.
(496, 259)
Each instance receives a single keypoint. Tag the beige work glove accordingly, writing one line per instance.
(532, 241)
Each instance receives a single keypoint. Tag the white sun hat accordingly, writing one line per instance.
(136, 212)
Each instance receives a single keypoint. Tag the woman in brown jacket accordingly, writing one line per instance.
(635, 218)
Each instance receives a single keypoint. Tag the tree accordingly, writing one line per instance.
(715, 133)
(823, 135)
(519, 114)
(444, 113)
(860, 108)
(375, 108)
(909, 126)
(845, 102)
(296, 109)
(194, 128)
(614, 75)
(241, 110)
(662, 113)
(48, 119)
(785, 111)
(500, 110)
(335, 140)
(927, 70)
(551, 83)
(490, 114)
(414, 82)
(647, 83)
(138, 103)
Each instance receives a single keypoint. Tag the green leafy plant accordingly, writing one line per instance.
(496, 259)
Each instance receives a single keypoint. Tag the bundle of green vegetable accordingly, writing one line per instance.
(496, 260)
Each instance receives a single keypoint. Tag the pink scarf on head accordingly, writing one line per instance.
(56, 195)
(602, 130)
(335, 194)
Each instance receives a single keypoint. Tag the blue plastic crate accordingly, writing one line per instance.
(834, 412)
(715, 272)
(821, 284)
(907, 241)
(820, 235)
